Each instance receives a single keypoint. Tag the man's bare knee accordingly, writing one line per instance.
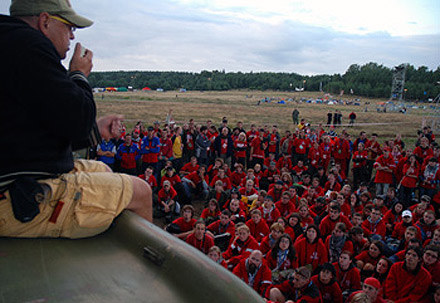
(276, 295)
(141, 202)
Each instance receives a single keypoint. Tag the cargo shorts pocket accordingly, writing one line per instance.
(95, 208)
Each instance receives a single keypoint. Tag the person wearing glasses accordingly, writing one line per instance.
(45, 193)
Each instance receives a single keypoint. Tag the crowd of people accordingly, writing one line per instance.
(311, 216)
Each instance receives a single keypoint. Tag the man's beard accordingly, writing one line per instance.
(252, 268)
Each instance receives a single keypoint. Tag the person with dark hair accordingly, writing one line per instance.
(268, 242)
(282, 258)
(241, 247)
(298, 289)
(431, 257)
(293, 226)
(310, 248)
(184, 225)
(199, 238)
(327, 284)
(328, 223)
(338, 242)
(408, 281)
(382, 269)
(202, 145)
(222, 230)
(367, 260)
(347, 275)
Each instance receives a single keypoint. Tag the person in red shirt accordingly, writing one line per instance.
(241, 247)
(268, 210)
(408, 281)
(282, 259)
(299, 289)
(257, 226)
(372, 289)
(268, 242)
(423, 150)
(285, 206)
(327, 285)
(310, 248)
(167, 201)
(221, 175)
(431, 263)
(240, 147)
(347, 275)
(359, 165)
(374, 225)
(338, 242)
(254, 272)
(166, 149)
(325, 149)
(237, 175)
(367, 259)
(429, 178)
(385, 167)
(149, 178)
(408, 183)
(189, 167)
(301, 145)
(332, 184)
(334, 216)
(393, 216)
(258, 147)
(196, 183)
(211, 213)
(184, 225)
(199, 238)
(374, 150)
(215, 255)
(341, 152)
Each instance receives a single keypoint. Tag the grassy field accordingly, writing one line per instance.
(242, 106)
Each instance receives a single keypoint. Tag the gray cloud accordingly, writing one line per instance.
(164, 35)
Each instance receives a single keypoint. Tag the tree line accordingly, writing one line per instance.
(369, 80)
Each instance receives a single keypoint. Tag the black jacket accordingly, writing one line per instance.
(44, 111)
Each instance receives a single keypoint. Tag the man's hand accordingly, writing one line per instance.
(81, 63)
(110, 126)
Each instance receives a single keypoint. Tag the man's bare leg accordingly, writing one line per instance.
(276, 295)
(142, 202)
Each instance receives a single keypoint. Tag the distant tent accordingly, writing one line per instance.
(122, 89)
(110, 89)
(182, 90)
(146, 88)
(281, 102)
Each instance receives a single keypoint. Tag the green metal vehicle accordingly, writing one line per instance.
(133, 261)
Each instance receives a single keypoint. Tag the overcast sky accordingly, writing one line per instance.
(306, 37)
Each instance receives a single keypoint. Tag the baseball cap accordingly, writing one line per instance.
(61, 8)
(425, 198)
(406, 213)
(166, 182)
(372, 282)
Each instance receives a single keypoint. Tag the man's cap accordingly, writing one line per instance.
(425, 198)
(304, 272)
(373, 282)
(166, 182)
(406, 213)
(381, 197)
(61, 8)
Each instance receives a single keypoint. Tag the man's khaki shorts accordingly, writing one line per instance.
(81, 203)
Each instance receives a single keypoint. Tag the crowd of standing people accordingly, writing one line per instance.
(312, 215)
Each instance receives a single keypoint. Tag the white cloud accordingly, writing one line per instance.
(306, 37)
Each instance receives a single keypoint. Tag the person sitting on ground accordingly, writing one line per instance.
(222, 230)
(282, 259)
(338, 242)
(298, 289)
(268, 211)
(211, 213)
(254, 272)
(408, 281)
(184, 225)
(168, 204)
(215, 255)
(199, 238)
(310, 248)
(241, 247)
(329, 222)
(268, 242)
(257, 225)
(347, 275)
(327, 284)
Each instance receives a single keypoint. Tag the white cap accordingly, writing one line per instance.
(406, 213)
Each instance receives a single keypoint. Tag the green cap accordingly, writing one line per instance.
(62, 8)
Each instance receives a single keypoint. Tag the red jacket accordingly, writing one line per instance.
(329, 293)
(270, 216)
(185, 226)
(258, 231)
(261, 280)
(383, 176)
(217, 229)
(408, 172)
(366, 258)
(341, 149)
(165, 196)
(377, 228)
(238, 251)
(402, 286)
(349, 279)
(236, 178)
(308, 294)
(226, 182)
(285, 209)
(327, 225)
(203, 245)
(314, 254)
